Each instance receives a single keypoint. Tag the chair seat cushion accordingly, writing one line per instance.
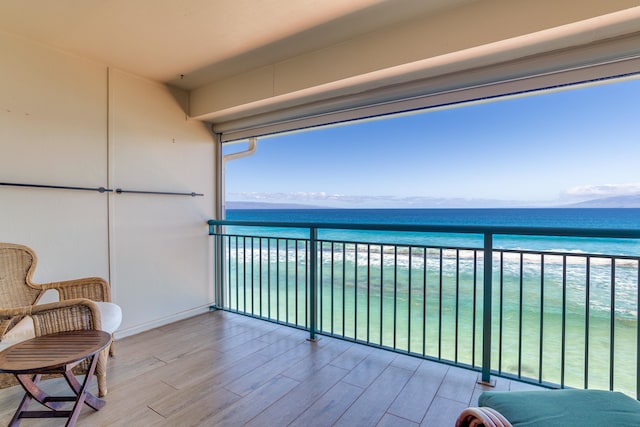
(564, 408)
(110, 314)
(22, 331)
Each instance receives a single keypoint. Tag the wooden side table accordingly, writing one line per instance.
(54, 354)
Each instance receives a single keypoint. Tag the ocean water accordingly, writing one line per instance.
(574, 218)
(422, 292)
(627, 219)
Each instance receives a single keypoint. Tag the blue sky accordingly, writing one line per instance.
(542, 150)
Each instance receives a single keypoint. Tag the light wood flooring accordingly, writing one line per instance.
(223, 369)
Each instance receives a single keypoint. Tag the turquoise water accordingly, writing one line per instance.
(561, 218)
(426, 300)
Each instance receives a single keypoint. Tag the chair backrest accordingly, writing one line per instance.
(17, 264)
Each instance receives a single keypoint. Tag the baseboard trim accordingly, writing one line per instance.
(143, 327)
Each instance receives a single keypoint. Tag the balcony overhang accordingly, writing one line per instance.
(390, 65)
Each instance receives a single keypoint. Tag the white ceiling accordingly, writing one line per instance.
(203, 40)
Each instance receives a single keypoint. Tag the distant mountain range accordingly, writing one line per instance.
(631, 201)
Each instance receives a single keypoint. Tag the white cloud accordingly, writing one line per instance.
(604, 190)
(299, 196)
(351, 201)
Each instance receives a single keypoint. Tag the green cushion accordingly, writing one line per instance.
(564, 408)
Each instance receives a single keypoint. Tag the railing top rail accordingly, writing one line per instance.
(466, 229)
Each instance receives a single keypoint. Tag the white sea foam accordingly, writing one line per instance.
(462, 263)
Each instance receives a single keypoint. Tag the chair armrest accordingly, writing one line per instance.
(10, 313)
(481, 417)
(62, 316)
(9, 317)
(93, 288)
(68, 315)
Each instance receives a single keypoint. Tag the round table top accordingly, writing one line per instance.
(52, 351)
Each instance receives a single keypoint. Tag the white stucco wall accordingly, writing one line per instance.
(68, 121)
(159, 244)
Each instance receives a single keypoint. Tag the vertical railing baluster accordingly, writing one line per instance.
(638, 333)
(368, 292)
(424, 302)
(501, 312)
(244, 274)
(278, 280)
(563, 344)
(440, 294)
(486, 313)
(253, 274)
(307, 279)
(218, 260)
(344, 287)
(381, 290)
(613, 323)
(238, 276)
(297, 267)
(227, 280)
(409, 304)
(457, 308)
(286, 280)
(222, 276)
(474, 310)
(586, 323)
(395, 294)
(333, 319)
(260, 277)
(541, 348)
(355, 293)
(269, 278)
(321, 285)
(520, 315)
(313, 285)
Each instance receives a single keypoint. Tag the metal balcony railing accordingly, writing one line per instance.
(557, 318)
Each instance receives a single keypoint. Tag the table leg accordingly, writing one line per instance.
(55, 403)
(24, 404)
(90, 399)
(83, 393)
(33, 391)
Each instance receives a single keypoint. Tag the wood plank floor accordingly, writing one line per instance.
(222, 369)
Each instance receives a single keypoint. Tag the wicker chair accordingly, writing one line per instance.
(81, 306)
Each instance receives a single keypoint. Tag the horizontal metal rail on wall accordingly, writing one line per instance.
(99, 189)
(161, 193)
(57, 187)
(554, 318)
